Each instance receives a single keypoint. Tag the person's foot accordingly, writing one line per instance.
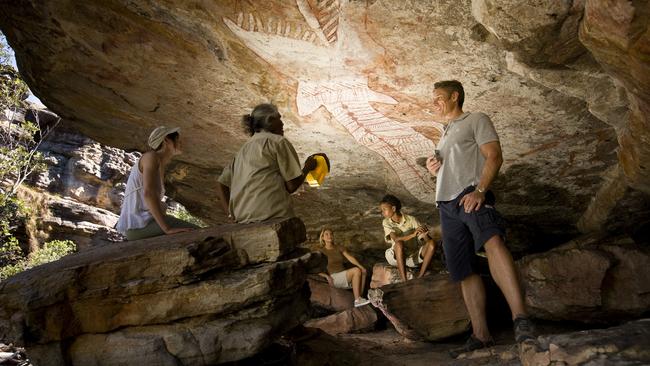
(361, 302)
(472, 344)
(524, 329)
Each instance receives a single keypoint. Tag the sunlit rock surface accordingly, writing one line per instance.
(203, 297)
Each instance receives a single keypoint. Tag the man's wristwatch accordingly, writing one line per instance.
(480, 190)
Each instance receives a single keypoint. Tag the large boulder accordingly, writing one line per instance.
(591, 279)
(202, 297)
(429, 308)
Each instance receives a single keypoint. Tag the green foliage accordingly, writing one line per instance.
(181, 213)
(19, 157)
(51, 251)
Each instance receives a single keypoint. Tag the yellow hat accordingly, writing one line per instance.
(315, 177)
(158, 135)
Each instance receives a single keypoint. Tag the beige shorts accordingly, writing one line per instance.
(340, 280)
(413, 260)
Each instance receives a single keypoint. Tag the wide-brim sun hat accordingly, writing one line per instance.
(158, 135)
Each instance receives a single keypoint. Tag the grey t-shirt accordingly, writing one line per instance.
(256, 178)
(462, 161)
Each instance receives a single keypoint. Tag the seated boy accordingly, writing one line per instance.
(410, 242)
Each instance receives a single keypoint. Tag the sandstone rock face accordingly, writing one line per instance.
(429, 308)
(626, 344)
(85, 225)
(78, 195)
(344, 75)
(84, 170)
(589, 280)
(616, 34)
(199, 298)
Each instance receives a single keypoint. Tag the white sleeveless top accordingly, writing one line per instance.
(135, 213)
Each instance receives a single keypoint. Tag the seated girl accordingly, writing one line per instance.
(337, 275)
(143, 211)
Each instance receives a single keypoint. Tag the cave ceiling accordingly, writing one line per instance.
(565, 83)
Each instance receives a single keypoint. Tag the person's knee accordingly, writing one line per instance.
(470, 279)
(399, 246)
(494, 244)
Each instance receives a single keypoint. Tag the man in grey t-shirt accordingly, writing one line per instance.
(467, 161)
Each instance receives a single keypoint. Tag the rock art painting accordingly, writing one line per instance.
(327, 59)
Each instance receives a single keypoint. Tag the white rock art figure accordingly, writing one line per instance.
(327, 60)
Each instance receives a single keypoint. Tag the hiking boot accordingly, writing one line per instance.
(472, 344)
(524, 329)
(361, 302)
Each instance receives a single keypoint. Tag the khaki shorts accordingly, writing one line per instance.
(413, 260)
(340, 280)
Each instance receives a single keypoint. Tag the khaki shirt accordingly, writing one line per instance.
(256, 178)
(462, 161)
(405, 227)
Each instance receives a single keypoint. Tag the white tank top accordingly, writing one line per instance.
(135, 213)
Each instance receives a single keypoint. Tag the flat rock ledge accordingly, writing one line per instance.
(199, 298)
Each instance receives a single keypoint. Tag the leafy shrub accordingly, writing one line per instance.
(181, 213)
(51, 251)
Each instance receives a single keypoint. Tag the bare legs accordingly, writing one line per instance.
(503, 271)
(474, 296)
(427, 254)
(398, 248)
(357, 279)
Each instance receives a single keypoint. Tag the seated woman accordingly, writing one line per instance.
(143, 211)
(257, 184)
(337, 275)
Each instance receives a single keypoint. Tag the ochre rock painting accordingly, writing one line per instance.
(322, 58)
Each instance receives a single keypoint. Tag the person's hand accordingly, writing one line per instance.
(330, 280)
(421, 230)
(177, 230)
(363, 269)
(310, 164)
(433, 165)
(472, 201)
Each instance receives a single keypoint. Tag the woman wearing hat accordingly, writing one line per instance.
(143, 211)
(257, 184)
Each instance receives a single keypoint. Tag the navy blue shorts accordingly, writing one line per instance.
(464, 234)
